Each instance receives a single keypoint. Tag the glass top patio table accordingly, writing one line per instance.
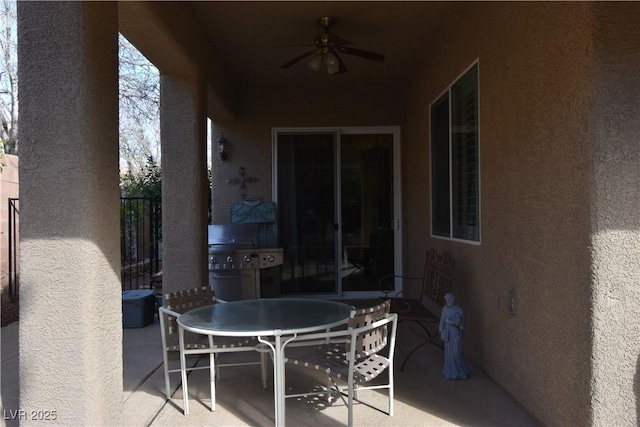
(280, 318)
(266, 317)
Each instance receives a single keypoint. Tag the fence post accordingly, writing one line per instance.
(11, 243)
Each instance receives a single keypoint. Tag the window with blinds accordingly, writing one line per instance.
(455, 184)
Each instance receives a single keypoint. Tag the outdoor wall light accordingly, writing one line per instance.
(222, 145)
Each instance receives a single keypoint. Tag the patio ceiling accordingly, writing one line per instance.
(249, 37)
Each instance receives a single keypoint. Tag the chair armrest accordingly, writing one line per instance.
(169, 312)
(320, 341)
(385, 284)
(349, 332)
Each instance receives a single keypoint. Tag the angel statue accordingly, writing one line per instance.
(451, 326)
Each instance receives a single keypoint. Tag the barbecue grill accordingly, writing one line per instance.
(235, 261)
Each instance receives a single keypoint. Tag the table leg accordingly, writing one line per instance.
(212, 374)
(279, 377)
(183, 372)
(278, 367)
(276, 348)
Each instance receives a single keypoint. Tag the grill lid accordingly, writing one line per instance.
(233, 236)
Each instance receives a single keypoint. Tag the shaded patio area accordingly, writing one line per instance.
(423, 397)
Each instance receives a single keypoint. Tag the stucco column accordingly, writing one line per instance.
(70, 297)
(184, 182)
(615, 213)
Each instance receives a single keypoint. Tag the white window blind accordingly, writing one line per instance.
(454, 161)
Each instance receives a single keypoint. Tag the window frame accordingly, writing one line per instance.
(437, 230)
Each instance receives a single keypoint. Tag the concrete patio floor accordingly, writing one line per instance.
(423, 397)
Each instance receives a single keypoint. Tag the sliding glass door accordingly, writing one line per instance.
(307, 211)
(337, 199)
(366, 182)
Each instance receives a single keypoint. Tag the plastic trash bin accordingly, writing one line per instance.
(137, 308)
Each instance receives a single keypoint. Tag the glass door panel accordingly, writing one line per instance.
(338, 202)
(306, 195)
(367, 210)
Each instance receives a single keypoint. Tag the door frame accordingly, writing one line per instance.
(397, 193)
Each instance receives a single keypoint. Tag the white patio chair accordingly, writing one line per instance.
(355, 358)
(177, 303)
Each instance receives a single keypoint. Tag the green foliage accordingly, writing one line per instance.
(145, 183)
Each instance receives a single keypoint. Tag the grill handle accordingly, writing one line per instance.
(230, 277)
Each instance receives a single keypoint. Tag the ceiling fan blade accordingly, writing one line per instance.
(342, 68)
(363, 53)
(296, 45)
(296, 59)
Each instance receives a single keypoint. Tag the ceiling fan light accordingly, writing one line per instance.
(333, 66)
(315, 62)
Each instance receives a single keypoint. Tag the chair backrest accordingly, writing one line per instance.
(373, 340)
(437, 278)
(182, 301)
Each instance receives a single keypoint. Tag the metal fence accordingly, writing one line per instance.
(140, 242)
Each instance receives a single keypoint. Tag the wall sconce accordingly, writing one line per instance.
(222, 145)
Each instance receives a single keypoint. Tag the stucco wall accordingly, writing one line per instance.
(184, 183)
(70, 291)
(615, 213)
(534, 61)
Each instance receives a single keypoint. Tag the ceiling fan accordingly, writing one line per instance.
(327, 48)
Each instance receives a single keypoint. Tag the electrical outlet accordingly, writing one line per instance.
(512, 301)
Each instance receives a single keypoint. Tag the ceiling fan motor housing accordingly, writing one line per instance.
(326, 22)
